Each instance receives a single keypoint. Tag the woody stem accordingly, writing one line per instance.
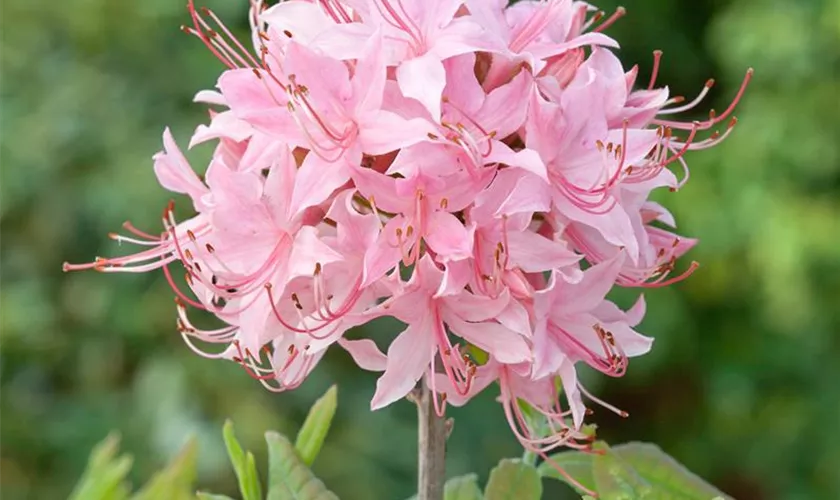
(431, 446)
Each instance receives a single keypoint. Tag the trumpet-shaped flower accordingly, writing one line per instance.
(464, 166)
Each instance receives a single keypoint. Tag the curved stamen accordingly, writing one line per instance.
(685, 107)
(618, 14)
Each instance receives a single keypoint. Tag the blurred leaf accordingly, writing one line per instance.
(513, 480)
(462, 488)
(311, 436)
(175, 482)
(288, 477)
(660, 473)
(104, 478)
(210, 496)
(629, 471)
(244, 466)
(576, 464)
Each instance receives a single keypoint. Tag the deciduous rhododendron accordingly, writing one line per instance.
(477, 171)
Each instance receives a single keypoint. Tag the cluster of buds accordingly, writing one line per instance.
(478, 171)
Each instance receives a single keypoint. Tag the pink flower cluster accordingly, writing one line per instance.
(478, 171)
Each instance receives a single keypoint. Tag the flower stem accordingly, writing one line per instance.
(431, 447)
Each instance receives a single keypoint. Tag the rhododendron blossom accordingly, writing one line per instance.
(478, 171)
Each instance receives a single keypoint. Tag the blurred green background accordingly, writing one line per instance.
(743, 385)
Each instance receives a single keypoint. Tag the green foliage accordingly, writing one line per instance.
(628, 472)
(175, 482)
(513, 479)
(462, 488)
(105, 476)
(311, 436)
(243, 464)
(289, 478)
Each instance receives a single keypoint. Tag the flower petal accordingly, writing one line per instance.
(409, 356)
(423, 78)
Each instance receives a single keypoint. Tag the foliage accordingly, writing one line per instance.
(631, 471)
(740, 383)
(289, 477)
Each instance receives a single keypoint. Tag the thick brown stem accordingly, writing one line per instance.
(431, 447)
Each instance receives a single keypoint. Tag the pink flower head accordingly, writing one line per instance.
(460, 165)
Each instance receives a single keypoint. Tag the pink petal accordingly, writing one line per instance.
(526, 159)
(316, 179)
(597, 281)
(547, 356)
(461, 36)
(303, 20)
(568, 377)
(632, 342)
(534, 253)
(381, 132)
(384, 254)
(423, 78)
(409, 356)
(529, 194)
(462, 87)
(369, 77)
(505, 345)
(308, 251)
(365, 354)
(262, 150)
(210, 97)
(448, 237)
(505, 108)
(473, 308)
(614, 225)
(174, 172)
(279, 185)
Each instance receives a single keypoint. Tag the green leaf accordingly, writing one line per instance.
(175, 482)
(104, 477)
(576, 464)
(245, 468)
(311, 436)
(462, 488)
(513, 480)
(615, 481)
(210, 496)
(630, 471)
(666, 478)
(288, 477)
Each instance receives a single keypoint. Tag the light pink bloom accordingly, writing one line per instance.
(460, 165)
(429, 312)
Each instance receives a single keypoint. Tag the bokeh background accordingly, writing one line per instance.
(743, 385)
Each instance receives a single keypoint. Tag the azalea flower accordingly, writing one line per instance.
(480, 172)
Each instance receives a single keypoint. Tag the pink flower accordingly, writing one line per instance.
(462, 166)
